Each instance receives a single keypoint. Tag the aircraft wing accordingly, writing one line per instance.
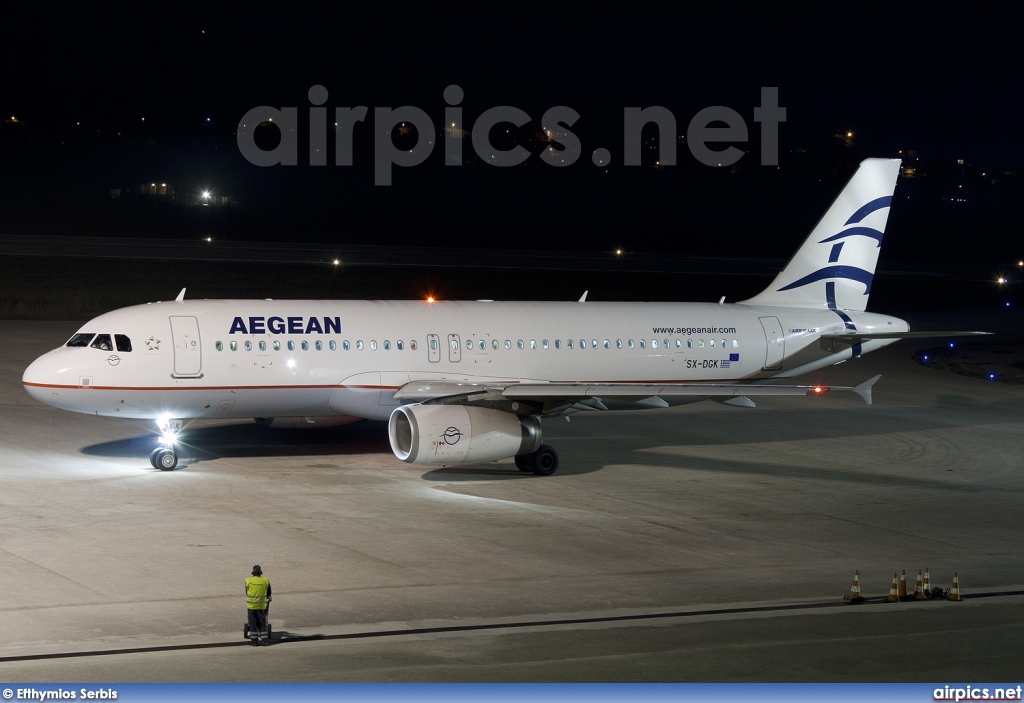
(547, 394)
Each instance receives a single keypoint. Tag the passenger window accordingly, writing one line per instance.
(654, 344)
(630, 344)
(305, 345)
(102, 342)
(291, 345)
(454, 344)
(679, 344)
(483, 345)
(494, 344)
(219, 346)
(735, 344)
(123, 343)
(234, 346)
(399, 345)
(248, 345)
(533, 344)
(433, 345)
(607, 344)
(711, 342)
(700, 343)
(558, 344)
(508, 344)
(643, 344)
(412, 345)
(319, 345)
(583, 344)
(333, 345)
(373, 345)
(544, 344)
(359, 345)
(519, 344)
(666, 344)
(387, 345)
(263, 346)
(618, 344)
(568, 344)
(277, 345)
(689, 344)
(469, 345)
(724, 343)
(593, 342)
(81, 339)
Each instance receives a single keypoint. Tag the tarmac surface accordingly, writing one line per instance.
(703, 543)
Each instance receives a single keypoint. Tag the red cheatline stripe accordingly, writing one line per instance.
(197, 388)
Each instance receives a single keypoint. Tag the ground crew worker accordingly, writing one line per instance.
(257, 601)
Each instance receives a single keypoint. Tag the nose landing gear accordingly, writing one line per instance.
(165, 456)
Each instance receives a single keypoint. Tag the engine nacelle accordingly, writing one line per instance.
(450, 435)
(302, 423)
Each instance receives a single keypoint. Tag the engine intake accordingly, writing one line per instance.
(450, 435)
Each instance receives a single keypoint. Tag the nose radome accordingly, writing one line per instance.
(43, 376)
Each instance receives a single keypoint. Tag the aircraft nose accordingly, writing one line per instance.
(44, 377)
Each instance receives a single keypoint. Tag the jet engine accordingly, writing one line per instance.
(450, 435)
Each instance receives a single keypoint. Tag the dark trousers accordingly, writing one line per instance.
(257, 624)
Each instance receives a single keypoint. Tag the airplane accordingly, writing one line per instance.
(469, 381)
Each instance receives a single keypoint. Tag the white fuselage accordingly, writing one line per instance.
(281, 358)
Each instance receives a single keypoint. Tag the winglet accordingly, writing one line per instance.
(864, 389)
(583, 298)
(181, 296)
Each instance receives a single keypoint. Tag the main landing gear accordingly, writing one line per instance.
(542, 462)
(165, 456)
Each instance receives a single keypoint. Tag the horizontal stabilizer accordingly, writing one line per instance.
(857, 338)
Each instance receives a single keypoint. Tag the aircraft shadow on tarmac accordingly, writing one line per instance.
(244, 440)
(626, 438)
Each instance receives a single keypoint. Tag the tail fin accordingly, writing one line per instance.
(834, 267)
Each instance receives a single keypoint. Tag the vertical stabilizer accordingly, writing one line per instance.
(834, 267)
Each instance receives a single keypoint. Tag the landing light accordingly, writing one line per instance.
(337, 262)
(430, 298)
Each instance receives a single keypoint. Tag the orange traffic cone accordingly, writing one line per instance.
(954, 592)
(894, 597)
(919, 587)
(854, 595)
(903, 585)
(927, 583)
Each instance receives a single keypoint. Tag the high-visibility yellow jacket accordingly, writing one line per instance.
(257, 592)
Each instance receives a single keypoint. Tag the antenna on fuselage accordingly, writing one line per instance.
(583, 298)
(181, 296)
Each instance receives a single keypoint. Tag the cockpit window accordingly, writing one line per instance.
(102, 341)
(81, 339)
(123, 343)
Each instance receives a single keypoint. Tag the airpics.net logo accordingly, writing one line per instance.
(712, 125)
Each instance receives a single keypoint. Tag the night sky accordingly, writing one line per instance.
(111, 99)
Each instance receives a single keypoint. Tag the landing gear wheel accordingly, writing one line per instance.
(164, 459)
(544, 461)
(523, 463)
